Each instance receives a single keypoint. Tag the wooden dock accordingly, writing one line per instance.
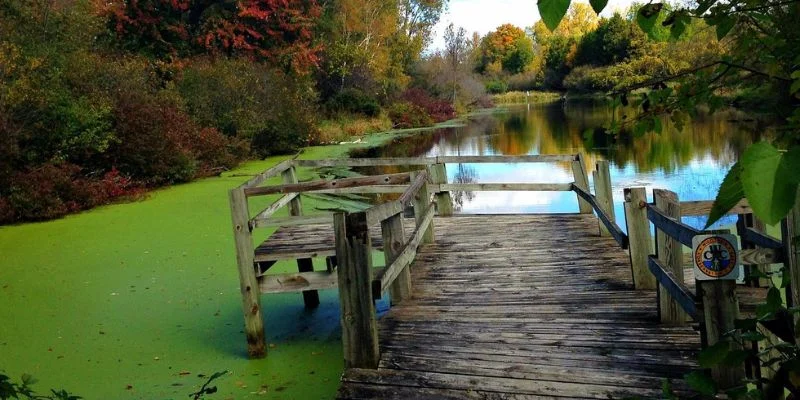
(508, 306)
(523, 306)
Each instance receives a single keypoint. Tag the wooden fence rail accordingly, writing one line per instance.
(608, 221)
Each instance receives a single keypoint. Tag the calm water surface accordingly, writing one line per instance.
(692, 162)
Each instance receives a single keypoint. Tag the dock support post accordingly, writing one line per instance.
(790, 232)
(720, 310)
(750, 221)
(640, 242)
(670, 253)
(422, 200)
(359, 323)
(248, 282)
(602, 189)
(393, 241)
(444, 203)
(581, 181)
(310, 297)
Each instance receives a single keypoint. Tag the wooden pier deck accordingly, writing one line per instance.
(519, 307)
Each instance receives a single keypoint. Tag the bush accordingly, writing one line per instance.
(408, 115)
(436, 109)
(525, 81)
(496, 86)
(353, 101)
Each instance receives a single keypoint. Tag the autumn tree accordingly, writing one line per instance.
(415, 26)
(507, 48)
(278, 31)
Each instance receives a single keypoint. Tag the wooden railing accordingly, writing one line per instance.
(714, 304)
(358, 282)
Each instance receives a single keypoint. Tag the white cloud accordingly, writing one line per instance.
(483, 16)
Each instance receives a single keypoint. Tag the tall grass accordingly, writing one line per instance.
(520, 97)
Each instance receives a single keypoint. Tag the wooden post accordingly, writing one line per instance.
(720, 310)
(393, 241)
(359, 324)
(444, 203)
(248, 282)
(310, 297)
(790, 232)
(602, 189)
(421, 203)
(640, 242)
(670, 253)
(750, 221)
(581, 181)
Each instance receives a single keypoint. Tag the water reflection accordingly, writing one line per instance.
(691, 162)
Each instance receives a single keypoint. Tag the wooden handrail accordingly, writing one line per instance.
(672, 228)
(703, 208)
(272, 208)
(388, 179)
(677, 290)
(760, 239)
(614, 229)
(492, 187)
(416, 185)
(384, 280)
(269, 173)
(400, 161)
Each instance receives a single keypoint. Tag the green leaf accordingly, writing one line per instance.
(772, 305)
(730, 193)
(724, 25)
(795, 87)
(770, 179)
(552, 11)
(703, 6)
(736, 357)
(701, 383)
(598, 5)
(647, 16)
(753, 336)
(714, 355)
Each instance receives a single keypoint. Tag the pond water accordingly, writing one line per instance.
(691, 162)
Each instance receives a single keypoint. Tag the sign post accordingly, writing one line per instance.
(715, 258)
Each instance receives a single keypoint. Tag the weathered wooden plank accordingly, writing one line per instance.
(760, 239)
(486, 187)
(388, 179)
(671, 226)
(394, 240)
(675, 287)
(529, 158)
(272, 208)
(248, 284)
(418, 181)
(292, 221)
(409, 252)
(401, 161)
(377, 189)
(640, 244)
(377, 214)
(702, 208)
(359, 324)
(607, 221)
(720, 311)
(790, 234)
(603, 193)
(670, 254)
(269, 173)
(421, 198)
(444, 203)
(582, 181)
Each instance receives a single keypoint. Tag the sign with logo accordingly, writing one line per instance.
(715, 257)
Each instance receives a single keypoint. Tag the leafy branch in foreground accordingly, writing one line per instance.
(23, 390)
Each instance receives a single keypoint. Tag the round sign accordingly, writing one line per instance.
(715, 256)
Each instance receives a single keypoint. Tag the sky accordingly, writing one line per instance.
(483, 16)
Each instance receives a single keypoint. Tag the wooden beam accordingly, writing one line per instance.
(520, 187)
(703, 208)
(790, 232)
(603, 193)
(671, 226)
(676, 289)
(760, 239)
(359, 324)
(310, 297)
(263, 176)
(419, 180)
(529, 158)
(403, 161)
(444, 203)
(267, 212)
(670, 255)
(393, 242)
(422, 199)
(377, 189)
(291, 221)
(380, 212)
(409, 252)
(640, 242)
(248, 283)
(720, 311)
(389, 179)
(745, 224)
(581, 181)
(611, 225)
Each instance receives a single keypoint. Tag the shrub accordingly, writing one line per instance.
(496, 86)
(353, 101)
(525, 81)
(408, 115)
(436, 109)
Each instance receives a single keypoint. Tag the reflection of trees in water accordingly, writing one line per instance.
(464, 174)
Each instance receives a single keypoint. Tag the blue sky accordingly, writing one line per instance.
(483, 16)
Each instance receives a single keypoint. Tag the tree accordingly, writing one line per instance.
(615, 40)
(508, 46)
(278, 31)
(456, 46)
(415, 25)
